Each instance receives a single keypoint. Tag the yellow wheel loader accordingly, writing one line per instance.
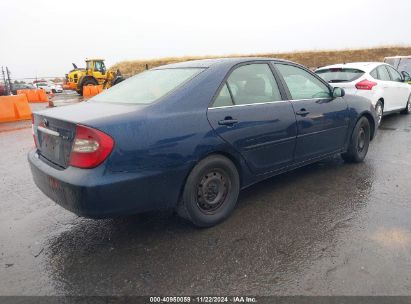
(95, 73)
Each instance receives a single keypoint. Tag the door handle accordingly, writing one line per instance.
(302, 112)
(228, 121)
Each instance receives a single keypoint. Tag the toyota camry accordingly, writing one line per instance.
(189, 136)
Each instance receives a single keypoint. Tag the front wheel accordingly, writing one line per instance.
(359, 142)
(211, 191)
(87, 82)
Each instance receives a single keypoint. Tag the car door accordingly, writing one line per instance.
(389, 93)
(322, 121)
(401, 90)
(250, 114)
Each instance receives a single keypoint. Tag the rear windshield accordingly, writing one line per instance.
(147, 87)
(333, 75)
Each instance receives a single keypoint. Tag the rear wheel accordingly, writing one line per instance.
(211, 192)
(359, 142)
(407, 109)
(379, 111)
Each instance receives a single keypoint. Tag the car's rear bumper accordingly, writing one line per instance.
(95, 193)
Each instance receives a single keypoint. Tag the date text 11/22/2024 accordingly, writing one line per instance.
(205, 299)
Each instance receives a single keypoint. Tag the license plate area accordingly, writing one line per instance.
(54, 139)
(50, 145)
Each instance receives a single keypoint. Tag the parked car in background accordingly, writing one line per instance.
(379, 82)
(188, 136)
(20, 86)
(58, 88)
(49, 87)
(401, 63)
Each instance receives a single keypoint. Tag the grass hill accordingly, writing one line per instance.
(308, 58)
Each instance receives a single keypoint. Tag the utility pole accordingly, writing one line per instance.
(4, 81)
(8, 77)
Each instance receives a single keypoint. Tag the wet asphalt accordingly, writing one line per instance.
(327, 229)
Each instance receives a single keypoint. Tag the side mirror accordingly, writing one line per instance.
(406, 76)
(338, 92)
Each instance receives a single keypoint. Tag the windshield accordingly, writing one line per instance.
(147, 87)
(333, 75)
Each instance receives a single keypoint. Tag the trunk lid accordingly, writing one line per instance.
(54, 139)
(349, 87)
(54, 129)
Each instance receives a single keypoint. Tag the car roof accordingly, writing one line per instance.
(206, 63)
(364, 66)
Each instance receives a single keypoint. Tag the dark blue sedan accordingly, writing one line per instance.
(189, 136)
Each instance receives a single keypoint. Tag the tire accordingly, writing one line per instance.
(379, 111)
(117, 81)
(88, 81)
(359, 142)
(407, 109)
(53, 91)
(219, 176)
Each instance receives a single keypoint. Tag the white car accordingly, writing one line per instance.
(384, 86)
(49, 87)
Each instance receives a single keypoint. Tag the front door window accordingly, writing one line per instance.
(301, 84)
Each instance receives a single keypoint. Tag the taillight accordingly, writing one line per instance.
(365, 85)
(32, 130)
(90, 147)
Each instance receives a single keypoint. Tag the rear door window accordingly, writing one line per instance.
(253, 83)
(302, 84)
(335, 75)
(395, 76)
(383, 73)
(374, 74)
(223, 99)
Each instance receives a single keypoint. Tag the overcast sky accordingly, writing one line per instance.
(43, 38)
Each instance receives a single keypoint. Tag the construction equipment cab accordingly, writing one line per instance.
(95, 73)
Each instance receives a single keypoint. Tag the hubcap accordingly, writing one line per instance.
(361, 140)
(409, 106)
(212, 191)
